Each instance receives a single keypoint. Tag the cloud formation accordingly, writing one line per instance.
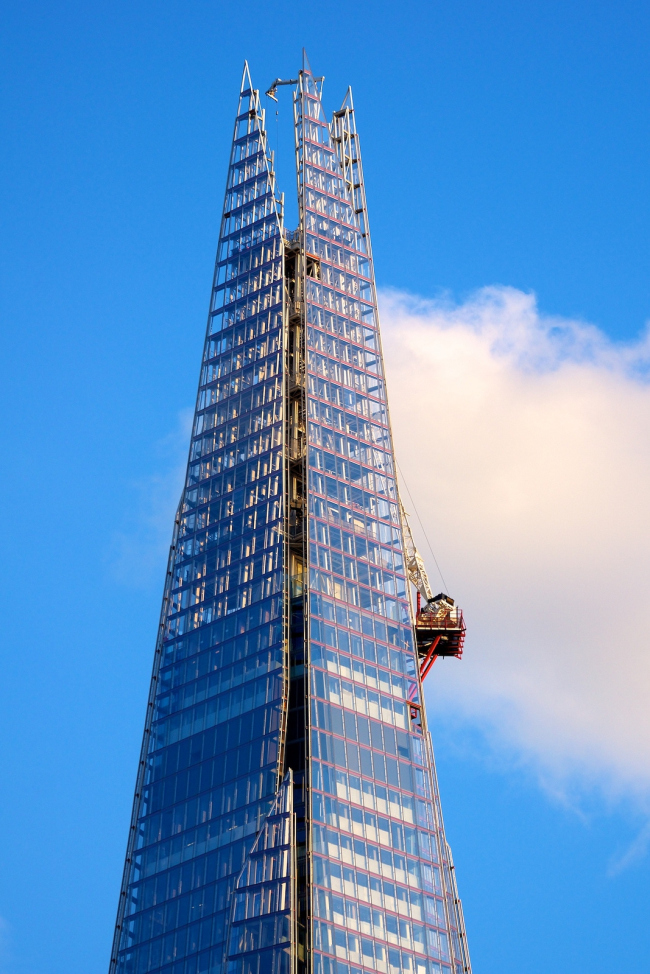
(525, 441)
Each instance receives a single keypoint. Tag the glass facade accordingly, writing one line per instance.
(286, 816)
(262, 909)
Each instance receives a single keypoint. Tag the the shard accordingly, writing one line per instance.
(286, 817)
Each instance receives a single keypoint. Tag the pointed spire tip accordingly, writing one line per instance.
(306, 66)
(245, 79)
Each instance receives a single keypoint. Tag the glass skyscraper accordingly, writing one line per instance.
(286, 816)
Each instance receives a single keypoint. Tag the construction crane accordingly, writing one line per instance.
(439, 625)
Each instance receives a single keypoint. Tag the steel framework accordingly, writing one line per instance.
(286, 816)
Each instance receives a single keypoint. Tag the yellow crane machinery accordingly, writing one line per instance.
(439, 624)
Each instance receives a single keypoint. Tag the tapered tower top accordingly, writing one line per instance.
(286, 817)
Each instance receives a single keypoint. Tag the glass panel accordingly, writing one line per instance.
(262, 915)
(382, 898)
(216, 878)
(212, 752)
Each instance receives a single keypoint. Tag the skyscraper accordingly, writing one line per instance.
(286, 815)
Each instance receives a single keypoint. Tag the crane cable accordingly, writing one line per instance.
(435, 560)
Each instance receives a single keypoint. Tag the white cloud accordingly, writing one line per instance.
(525, 441)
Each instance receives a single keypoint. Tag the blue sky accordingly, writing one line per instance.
(505, 145)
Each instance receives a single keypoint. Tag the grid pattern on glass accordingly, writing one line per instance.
(212, 767)
(380, 899)
(262, 914)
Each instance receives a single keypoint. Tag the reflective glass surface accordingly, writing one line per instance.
(262, 913)
(234, 850)
(212, 760)
(382, 899)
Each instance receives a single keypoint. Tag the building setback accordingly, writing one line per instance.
(286, 816)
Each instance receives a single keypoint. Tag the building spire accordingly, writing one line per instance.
(286, 709)
(347, 101)
(246, 83)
